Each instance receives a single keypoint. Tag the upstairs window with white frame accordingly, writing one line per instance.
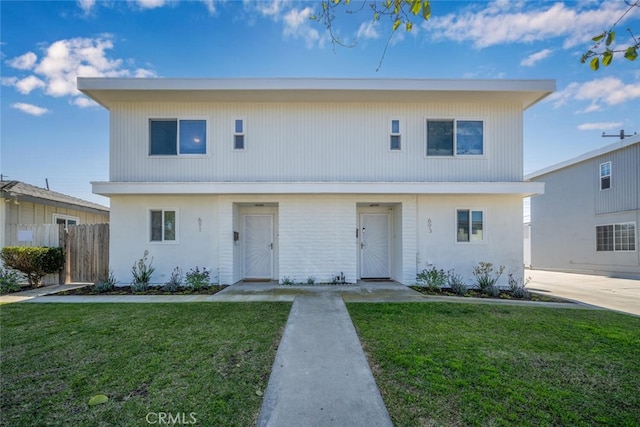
(163, 225)
(238, 134)
(469, 225)
(455, 137)
(605, 176)
(177, 137)
(395, 136)
(616, 237)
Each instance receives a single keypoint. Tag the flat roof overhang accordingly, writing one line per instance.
(110, 188)
(107, 91)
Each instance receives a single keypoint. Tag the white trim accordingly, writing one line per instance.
(398, 134)
(455, 154)
(484, 226)
(178, 154)
(600, 176)
(66, 219)
(635, 236)
(243, 134)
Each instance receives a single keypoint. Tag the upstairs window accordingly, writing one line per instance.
(394, 137)
(163, 225)
(455, 137)
(172, 137)
(605, 176)
(470, 225)
(238, 134)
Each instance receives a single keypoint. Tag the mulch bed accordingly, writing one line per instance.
(153, 290)
(474, 293)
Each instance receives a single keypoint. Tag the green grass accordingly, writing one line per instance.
(210, 359)
(454, 364)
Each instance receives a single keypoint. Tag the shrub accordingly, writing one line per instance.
(485, 277)
(518, 287)
(34, 262)
(311, 280)
(9, 281)
(433, 279)
(138, 287)
(456, 283)
(197, 279)
(142, 272)
(287, 281)
(105, 284)
(175, 281)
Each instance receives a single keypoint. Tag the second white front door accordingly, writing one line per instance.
(258, 246)
(375, 258)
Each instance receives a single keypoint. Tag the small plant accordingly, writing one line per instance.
(311, 280)
(34, 262)
(518, 287)
(139, 287)
(198, 280)
(486, 278)
(287, 281)
(9, 281)
(142, 272)
(175, 281)
(105, 284)
(433, 279)
(456, 283)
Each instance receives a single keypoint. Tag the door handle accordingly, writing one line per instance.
(271, 246)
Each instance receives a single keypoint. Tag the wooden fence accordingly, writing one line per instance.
(86, 248)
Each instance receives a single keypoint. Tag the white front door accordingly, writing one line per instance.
(375, 259)
(258, 246)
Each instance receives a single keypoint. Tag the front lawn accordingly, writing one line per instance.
(208, 362)
(467, 364)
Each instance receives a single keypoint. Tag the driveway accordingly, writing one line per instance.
(615, 294)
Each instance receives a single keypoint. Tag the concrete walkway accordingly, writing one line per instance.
(614, 294)
(321, 376)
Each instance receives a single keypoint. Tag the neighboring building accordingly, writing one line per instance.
(300, 178)
(25, 204)
(587, 219)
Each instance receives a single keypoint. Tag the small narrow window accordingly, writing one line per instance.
(163, 225)
(605, 176)
(470, 225)
(238, 135)
(395, 135)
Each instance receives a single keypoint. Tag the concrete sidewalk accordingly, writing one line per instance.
(321, 376)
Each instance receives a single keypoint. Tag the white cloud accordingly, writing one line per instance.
(535, 57)
(83, 102)
(267, 8)
(600, 126)
(87, 5)
(65, 60)
(296, 25)
(368, 30)
(26, 85)
(23, 62)
(504, 22)
(150, 4)
(34, 110)
(608, 90)
(210, 5)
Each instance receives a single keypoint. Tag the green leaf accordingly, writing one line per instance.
(408, 26)
(610, 37)
(376, 16)
(259, 393)
(607, 57)
(396, 25)
(417, 5)
(595, 63)
(98, 399)
(631, 53)
(426, 10)
(599, 37)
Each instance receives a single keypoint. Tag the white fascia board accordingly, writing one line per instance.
(123, 188)
(623, 143)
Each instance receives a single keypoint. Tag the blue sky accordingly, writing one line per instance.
(49, 130)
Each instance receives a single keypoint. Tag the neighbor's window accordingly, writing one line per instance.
(470, 225)
(462, 137)
(394, 143)
(172, 137)
(616, 237)
(163, 225)
(605, 176)
(65, 220)
(238, 135)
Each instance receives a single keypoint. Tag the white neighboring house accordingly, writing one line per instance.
(312, 178)
(587, 220)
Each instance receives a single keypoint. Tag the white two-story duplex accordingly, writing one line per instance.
(314, 178)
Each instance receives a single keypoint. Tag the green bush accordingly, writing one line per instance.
(175, 281)
(486, 279)
(433, 279)
(142, 272)
(105, 284)
(456, 283)
(34, 262)
(198, 280)
(8, 281)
